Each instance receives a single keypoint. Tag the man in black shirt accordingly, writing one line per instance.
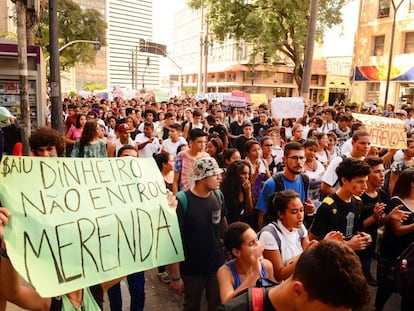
(201, 216)
(342, 210)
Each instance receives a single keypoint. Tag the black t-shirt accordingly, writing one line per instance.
(240, 142)
(200, 233)
(259, 129)
(368, 204)
(334, 214)
(392, 245)
(236, 128)
(220, 131)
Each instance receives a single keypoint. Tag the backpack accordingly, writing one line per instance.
(280, 186)
(273, 230)
(251, 299)
(404, 271)
(182, 197)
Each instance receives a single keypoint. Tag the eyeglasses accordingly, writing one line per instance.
(296, 158)
(268, 145)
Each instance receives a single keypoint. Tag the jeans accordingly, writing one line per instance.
(136, 286)
(194, 286)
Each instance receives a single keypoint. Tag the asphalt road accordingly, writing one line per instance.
(159, 297)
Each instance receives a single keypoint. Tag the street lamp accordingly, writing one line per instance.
(395, 7)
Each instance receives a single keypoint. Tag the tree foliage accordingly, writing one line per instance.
(73, 24)
(277, 27)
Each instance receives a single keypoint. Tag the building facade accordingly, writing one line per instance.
(372, 51)
(230, 65)
(120, 64)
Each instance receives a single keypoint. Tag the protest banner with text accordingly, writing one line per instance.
(385, 132)
(77, 222)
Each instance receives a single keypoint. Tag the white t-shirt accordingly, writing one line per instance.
(149, 149)
(290, 241)
(347, 146)
(330, 177)
(172, 147)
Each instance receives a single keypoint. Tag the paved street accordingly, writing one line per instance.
(159, 297)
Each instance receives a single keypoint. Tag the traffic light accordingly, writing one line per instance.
(97, 44)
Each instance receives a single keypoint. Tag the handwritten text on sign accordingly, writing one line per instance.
(384, 132)
(79, 222)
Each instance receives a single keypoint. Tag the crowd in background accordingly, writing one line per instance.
(254, 149)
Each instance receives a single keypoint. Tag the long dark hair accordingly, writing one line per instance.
(232, 182)
(89, 132)
(278, 202)
(402, 186)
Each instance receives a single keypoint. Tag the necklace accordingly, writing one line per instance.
(311, 166)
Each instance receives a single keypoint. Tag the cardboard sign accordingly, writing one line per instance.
(385, 132)
(257, 99)
(234, 101)
(287, 107)
(78, 222)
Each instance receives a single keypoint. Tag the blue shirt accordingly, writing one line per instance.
(269, 188)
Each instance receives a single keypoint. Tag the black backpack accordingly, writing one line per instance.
(251, 299)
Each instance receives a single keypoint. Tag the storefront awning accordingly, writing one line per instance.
(379, 73)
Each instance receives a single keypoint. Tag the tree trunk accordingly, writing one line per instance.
(23, 79)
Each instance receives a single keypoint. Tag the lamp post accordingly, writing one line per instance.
(387, 87)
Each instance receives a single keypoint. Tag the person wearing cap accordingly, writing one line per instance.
(122, 139)
(202, 220)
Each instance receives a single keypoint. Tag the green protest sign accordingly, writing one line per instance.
(78, 222)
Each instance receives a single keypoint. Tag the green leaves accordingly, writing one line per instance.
(74, 24)
(278, 27)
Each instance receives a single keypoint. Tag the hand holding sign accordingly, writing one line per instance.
(79, 222)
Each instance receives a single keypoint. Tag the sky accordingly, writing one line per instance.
(338, 40)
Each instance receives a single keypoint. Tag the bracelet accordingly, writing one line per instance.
(176, 278)
(3, 253)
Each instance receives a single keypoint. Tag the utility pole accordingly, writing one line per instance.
(200, 70)
(23, 79)
(310, 44)
(54, 80)
(206, 44)
(394, 18)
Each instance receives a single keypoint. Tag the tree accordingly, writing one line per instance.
(274, 27)
(74, 24)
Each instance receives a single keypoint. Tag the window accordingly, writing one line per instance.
(383, 8)
(287, 78)
(379, 45)
(409, 42)
(374, 87)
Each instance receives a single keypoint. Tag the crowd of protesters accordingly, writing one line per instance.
(285, 184)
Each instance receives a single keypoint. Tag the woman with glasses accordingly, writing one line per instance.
(267, 153)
